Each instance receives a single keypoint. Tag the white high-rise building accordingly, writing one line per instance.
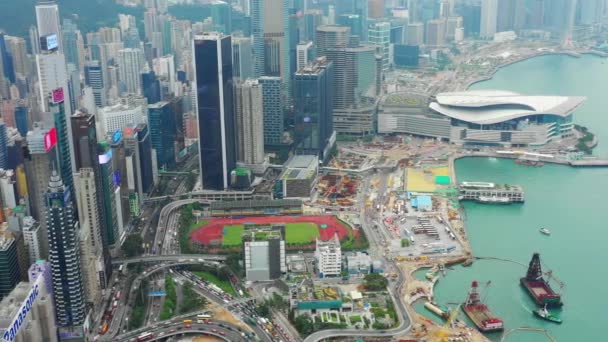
(130, 65)
(489, 15)
(249, 111)
(118, 117)
(304, 54)
(86, 199)
(52, 74)
(380, 35)
(47, 20)
(329, 257)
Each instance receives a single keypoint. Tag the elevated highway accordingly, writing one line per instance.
(224, 331)
(184, 258)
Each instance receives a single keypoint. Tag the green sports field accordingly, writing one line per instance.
(301, 232)
(232, 235)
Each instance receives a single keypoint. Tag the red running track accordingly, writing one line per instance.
(214, 229)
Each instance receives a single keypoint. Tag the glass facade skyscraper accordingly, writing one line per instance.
(64, 254)
(273, 109)
(163, 133)
(313, 98)
(216, 122)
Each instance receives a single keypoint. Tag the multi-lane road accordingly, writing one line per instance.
(221, 330)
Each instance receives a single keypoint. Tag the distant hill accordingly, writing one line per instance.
(16, 16)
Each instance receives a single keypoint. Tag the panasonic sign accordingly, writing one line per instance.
(13, 329)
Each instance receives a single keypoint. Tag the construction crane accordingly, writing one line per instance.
(444, 333)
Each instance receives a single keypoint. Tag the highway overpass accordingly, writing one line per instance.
(184, 258)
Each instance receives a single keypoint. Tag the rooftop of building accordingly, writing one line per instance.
(300, 167)
(315, 67)
(486, 107)
(12, 303)
(333, 28)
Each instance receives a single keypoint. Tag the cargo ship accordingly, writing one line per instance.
(479, 313)
(538, 288)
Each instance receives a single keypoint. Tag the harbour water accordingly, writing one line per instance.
(571, 202)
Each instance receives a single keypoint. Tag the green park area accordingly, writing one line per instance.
(223, 284)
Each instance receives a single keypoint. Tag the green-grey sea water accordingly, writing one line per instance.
(571, 202)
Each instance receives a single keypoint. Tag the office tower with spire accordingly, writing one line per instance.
(63, 129)
(214, 106)
(64, 254)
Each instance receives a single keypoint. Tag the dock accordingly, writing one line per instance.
(475, 190)
(591, 162)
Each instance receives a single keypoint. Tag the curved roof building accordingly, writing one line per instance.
(485, 117)
(486, 107)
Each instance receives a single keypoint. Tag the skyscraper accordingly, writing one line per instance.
(163, 133)
(380, 35)
(241, 58)
(64, 254)
(69, 36)
(273, 105)
(39, 161)
(376, 9)
(214, 106)
(3, 146)
(47, 20)
(435, 32)
(354, 73)
(257, 35)
(150, 86)
(93, 76)
(277, 41)
(313, 98)
(249, 122)
(331, 37)
(130, 65)
(304, 54)
(489, 15)
(65, 153)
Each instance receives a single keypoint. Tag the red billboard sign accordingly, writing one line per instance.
(50, 139)
(57, 95)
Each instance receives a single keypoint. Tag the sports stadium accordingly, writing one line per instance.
(298, 230)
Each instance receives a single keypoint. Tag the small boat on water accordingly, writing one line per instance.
(543, 313)
(545, 231)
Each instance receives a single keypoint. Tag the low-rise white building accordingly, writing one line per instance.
(329, 257)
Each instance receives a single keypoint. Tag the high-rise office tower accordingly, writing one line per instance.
(9, 265)
(86, 152)
(376, 9)
(93, 77)
(130, 65)
(354, 73)
(313, 99)
(435, 32)
(150, 86)
(40, 159)
(313, 18)
(64, 254)
(273, 104)
(277, 41)
(144, 146)
(91, 246)
(489, 15)
(6, 59)
(380, 35)
(214, 106)
(64, 139)
(163, 133)
(34, 39)
(304, 54)
(241, 58)
(3, 146)
(18, 48)
(47, 20)
(331, 37)
(249, 111)
(257, 35)
(52, 74)
(108, 192)
(69, 36)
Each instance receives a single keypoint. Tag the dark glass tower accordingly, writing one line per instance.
(216, 122)
(150, 86)
(57, 109)
(163, 133)
(64, 254)
(313, 98)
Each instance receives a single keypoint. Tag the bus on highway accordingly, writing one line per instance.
(187, 321)
(202, 318)
(145, 337)
(104, 328)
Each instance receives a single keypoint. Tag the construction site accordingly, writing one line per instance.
(337, 190)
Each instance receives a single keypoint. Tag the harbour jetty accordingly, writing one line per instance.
(485, 192)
